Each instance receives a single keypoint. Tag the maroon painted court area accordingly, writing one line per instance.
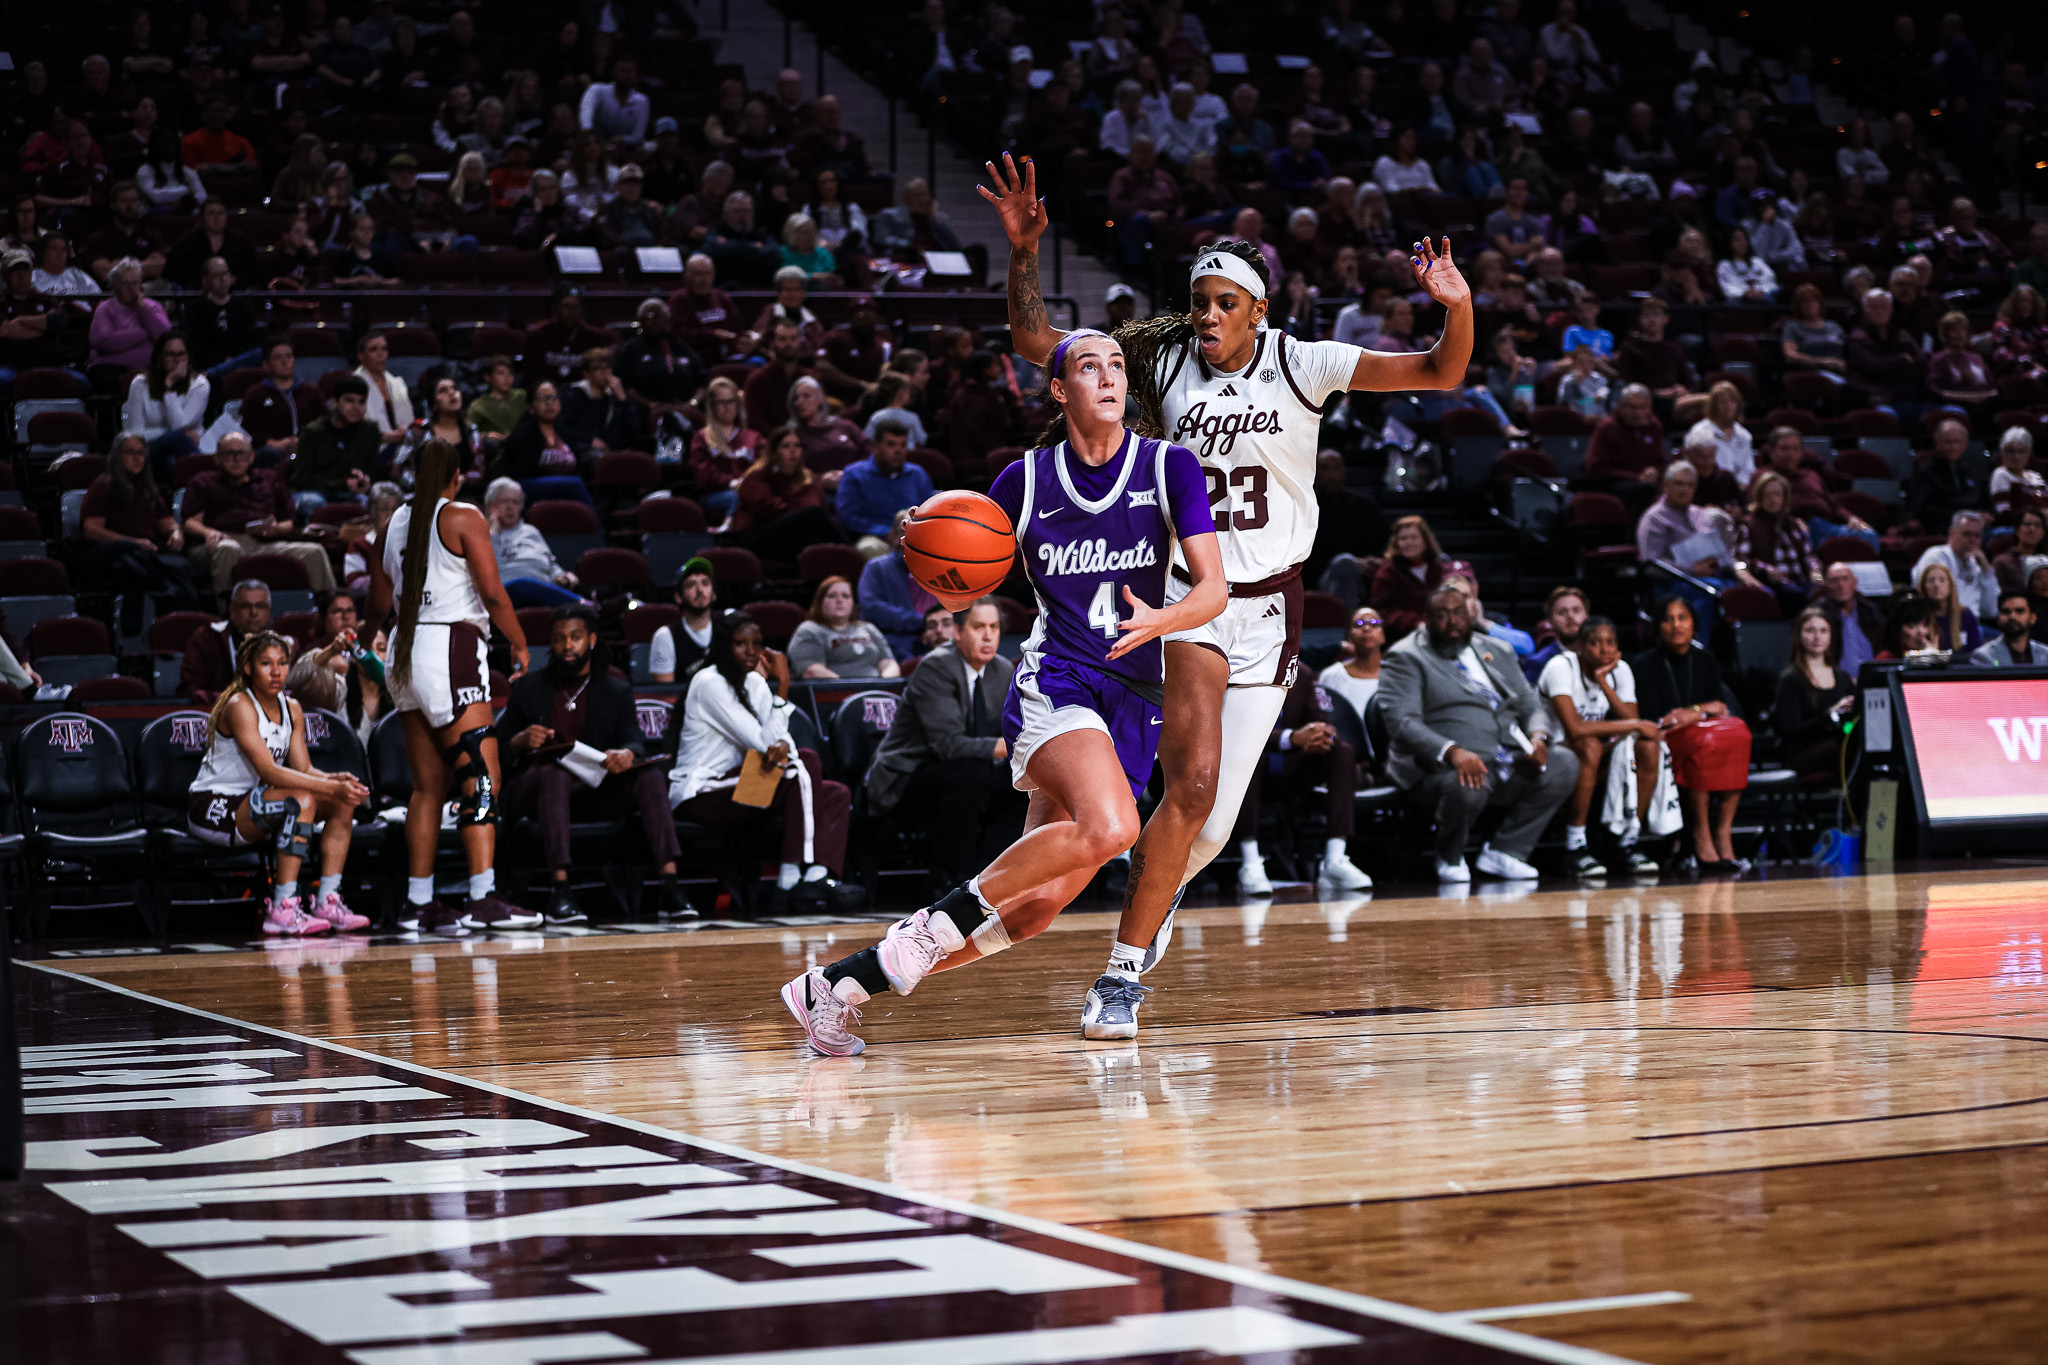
(203, 1189)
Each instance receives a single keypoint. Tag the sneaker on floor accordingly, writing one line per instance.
(1156, 949)
(827, 1019)
(673, 904)
(489, 912)
(1506, 866)
(335, 911)
(1639, 862)
(827, 895)
(281, 915)
(433, 918)
(1584, 864)
(1252, 880)
(1110, 1011)
(562, 907)
(1453, 871)
(1343, 874)
(916, 944)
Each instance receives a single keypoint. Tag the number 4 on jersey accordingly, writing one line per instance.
(1102, 610)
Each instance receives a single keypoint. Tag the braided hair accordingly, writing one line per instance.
(1145, 342)
(435, 466)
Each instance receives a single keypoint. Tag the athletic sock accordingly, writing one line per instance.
(787, 876)
(816, 872)
(483, 883)
(1334, 848)
(1248, 849)
(419, 890)
(330, 886)
(1574, 837)
(1124, 961)
(863, 969)
(962, 906)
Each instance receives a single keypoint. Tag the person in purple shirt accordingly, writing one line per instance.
(1096, 517)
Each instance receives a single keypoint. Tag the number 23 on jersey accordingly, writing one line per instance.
(1248, 485)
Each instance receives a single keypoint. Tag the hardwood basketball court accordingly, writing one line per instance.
(1734, 1121)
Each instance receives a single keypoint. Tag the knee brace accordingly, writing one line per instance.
(280, 820)
(479, 804)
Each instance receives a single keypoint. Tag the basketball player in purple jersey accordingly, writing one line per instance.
(1097, 512)
(1249, 402)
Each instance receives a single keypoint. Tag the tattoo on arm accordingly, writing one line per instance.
(1027, 301)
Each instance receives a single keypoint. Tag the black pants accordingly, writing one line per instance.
(969, 808)
(547, 793)
(116, 566)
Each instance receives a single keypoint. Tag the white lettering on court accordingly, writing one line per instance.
(457, 1176)
(85, 1154)
(350, 1311)
(348, 1089)
(358, 1241)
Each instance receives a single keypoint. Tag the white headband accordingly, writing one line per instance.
(1233, 268)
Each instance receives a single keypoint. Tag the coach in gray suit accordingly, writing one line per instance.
(1458, 710)
(943, 764)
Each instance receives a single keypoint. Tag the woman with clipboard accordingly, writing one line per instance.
(736, 764)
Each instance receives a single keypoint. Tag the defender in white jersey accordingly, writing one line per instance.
(1250, 406)
(257, 784)
(433, 561)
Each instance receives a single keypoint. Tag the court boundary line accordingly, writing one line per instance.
(1443, 1324)
(1562, 1307)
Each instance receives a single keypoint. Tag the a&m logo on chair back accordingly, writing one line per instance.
(71, 734)
(653, 717)
(879, 712)
(188, 734)
(316, 728)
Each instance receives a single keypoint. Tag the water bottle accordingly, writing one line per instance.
(366, 659)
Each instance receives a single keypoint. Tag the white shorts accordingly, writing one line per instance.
(449, 672)
(1259, 637)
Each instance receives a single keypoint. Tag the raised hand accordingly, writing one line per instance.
(1437, 276)
(1016, 200)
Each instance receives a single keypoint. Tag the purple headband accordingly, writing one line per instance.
(1057, 364)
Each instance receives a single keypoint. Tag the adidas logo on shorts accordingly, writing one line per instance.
(1271, 610)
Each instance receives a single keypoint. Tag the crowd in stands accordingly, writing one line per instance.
(1760, 348)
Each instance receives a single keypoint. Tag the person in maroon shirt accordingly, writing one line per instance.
(274, 410)
(1884, 359)
(132, 543)
(782, 505)
(209, 662)
(235, 509)
(1626, 455)
(127, 235)
(855, 353)
(703, 313)
(554, 349)
(767, 388)
(1657, 363)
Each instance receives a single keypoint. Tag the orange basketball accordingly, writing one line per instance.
(958, 546)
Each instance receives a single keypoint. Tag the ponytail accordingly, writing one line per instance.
(435, 465)
(1144, 344)
(245, 660)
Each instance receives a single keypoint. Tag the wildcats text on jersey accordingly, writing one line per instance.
(1095, 557)
(1196, 422)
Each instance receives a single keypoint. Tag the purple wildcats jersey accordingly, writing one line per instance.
(1087, 532)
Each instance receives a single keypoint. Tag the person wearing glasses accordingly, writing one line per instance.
(1356, 676)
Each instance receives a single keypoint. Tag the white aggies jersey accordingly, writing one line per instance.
(1256, 434)
(450, 594)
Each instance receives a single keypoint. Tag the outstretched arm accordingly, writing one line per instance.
(1443, 365)
(1024, 219)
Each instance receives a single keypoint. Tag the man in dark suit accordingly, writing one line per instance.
(576, 700)
(1469, 732)
(944, 765)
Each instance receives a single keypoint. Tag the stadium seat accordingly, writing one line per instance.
(570, 528)
(1552, 420)
(625, 475)
(668, 551)
(656, 515)
(1866, 423)
(1322, 611)
(816, 563)
(55, 431)
(298, 626)
(1846, 549)
(857, 728)
(537, 625)
(112, 687)
(1459, 422)
(778, 621)
(641, 622)
(78, 803)
(168, 755)
(1862, 464)
(733, 567)
(76, 471)
(602, 568)
(935, 463)
(1799, 419)
(1744, 603)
